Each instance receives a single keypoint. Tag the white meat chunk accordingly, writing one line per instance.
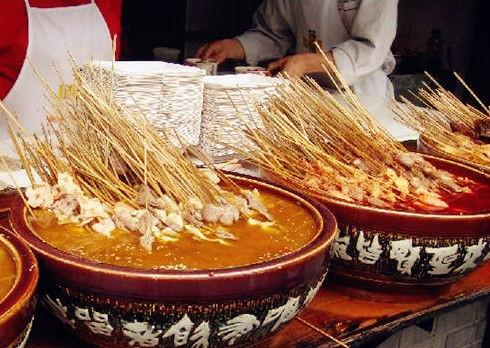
(255, 203)
(229, 215)
(210, 175)
(147, 240)
(167, 203)
(67, 206)
(211, 213)
(104, 226)
(91, 208)
(146, 197)
(67, 183)
(175, 221)
(146, 223)
(40, 196)
(127, 217)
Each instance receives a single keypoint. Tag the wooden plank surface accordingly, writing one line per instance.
(352, 315)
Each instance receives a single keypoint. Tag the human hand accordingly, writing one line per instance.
(222, 50)
(300, 64)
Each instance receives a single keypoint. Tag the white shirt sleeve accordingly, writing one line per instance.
(373, 31)
(270, 36)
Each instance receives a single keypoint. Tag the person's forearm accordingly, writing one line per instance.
(259, 47)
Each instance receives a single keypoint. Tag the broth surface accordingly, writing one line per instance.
(295, 226)
(7, 271)
(475, 202)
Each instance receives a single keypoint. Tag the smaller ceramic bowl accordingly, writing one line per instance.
(252, 70)
(208, 65)
(18, 304)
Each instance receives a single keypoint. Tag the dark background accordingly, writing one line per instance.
(463, 44)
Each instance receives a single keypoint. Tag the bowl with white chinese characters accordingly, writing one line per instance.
(115, 305)
(386, 248)
(18, 282)
(395, 248)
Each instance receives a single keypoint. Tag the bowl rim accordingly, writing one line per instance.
(428, 150)
(401, 213)
(27, 275)
(323, 238)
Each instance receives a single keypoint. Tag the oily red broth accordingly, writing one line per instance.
(295, 226)
(474, 202)
(477, 201)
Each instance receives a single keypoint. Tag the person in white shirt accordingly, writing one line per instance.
(355, 34)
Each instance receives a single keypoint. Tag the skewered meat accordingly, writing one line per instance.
(433, 200)
(406, 159)
(461, 128)
(91, 208)
(175, 221)
(104, 226)
(482, 130)
(263, 224)
(195, 203)
(166, 235)
(225, 213)
(359, 164)
(167, 203)
(210, 175)
(211, 213)
(146, 197)
(224, 234)
(66, 182)
(67, 206)
(376, 202)
(127, 217)
(229, 215)
(147, 240)
(40, 196)
(255, 203)
(146, 223)
(57, 191)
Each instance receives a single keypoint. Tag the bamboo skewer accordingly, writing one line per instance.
(332, 146)
(91, 136)
(442, 111)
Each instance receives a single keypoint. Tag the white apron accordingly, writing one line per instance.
(333, 21)
(53, 35)
(285, 27)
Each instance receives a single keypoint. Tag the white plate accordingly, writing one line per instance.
(17, 178)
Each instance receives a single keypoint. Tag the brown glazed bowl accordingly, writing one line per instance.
(17, 306)
(389, 249)
(115, 306)
(7, 196)
(424, 147)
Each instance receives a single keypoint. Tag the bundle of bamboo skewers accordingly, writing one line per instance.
(448, 126)
(331, 146)
(104, 167)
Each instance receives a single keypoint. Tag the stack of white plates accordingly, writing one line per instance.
(168, 95)
(230, 106)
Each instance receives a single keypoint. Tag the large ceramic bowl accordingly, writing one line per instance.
(7, 196)
(17, 306)
(120, 307)
(387, 248)
(424, 147)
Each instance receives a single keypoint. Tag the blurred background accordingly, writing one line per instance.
(439, 36)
